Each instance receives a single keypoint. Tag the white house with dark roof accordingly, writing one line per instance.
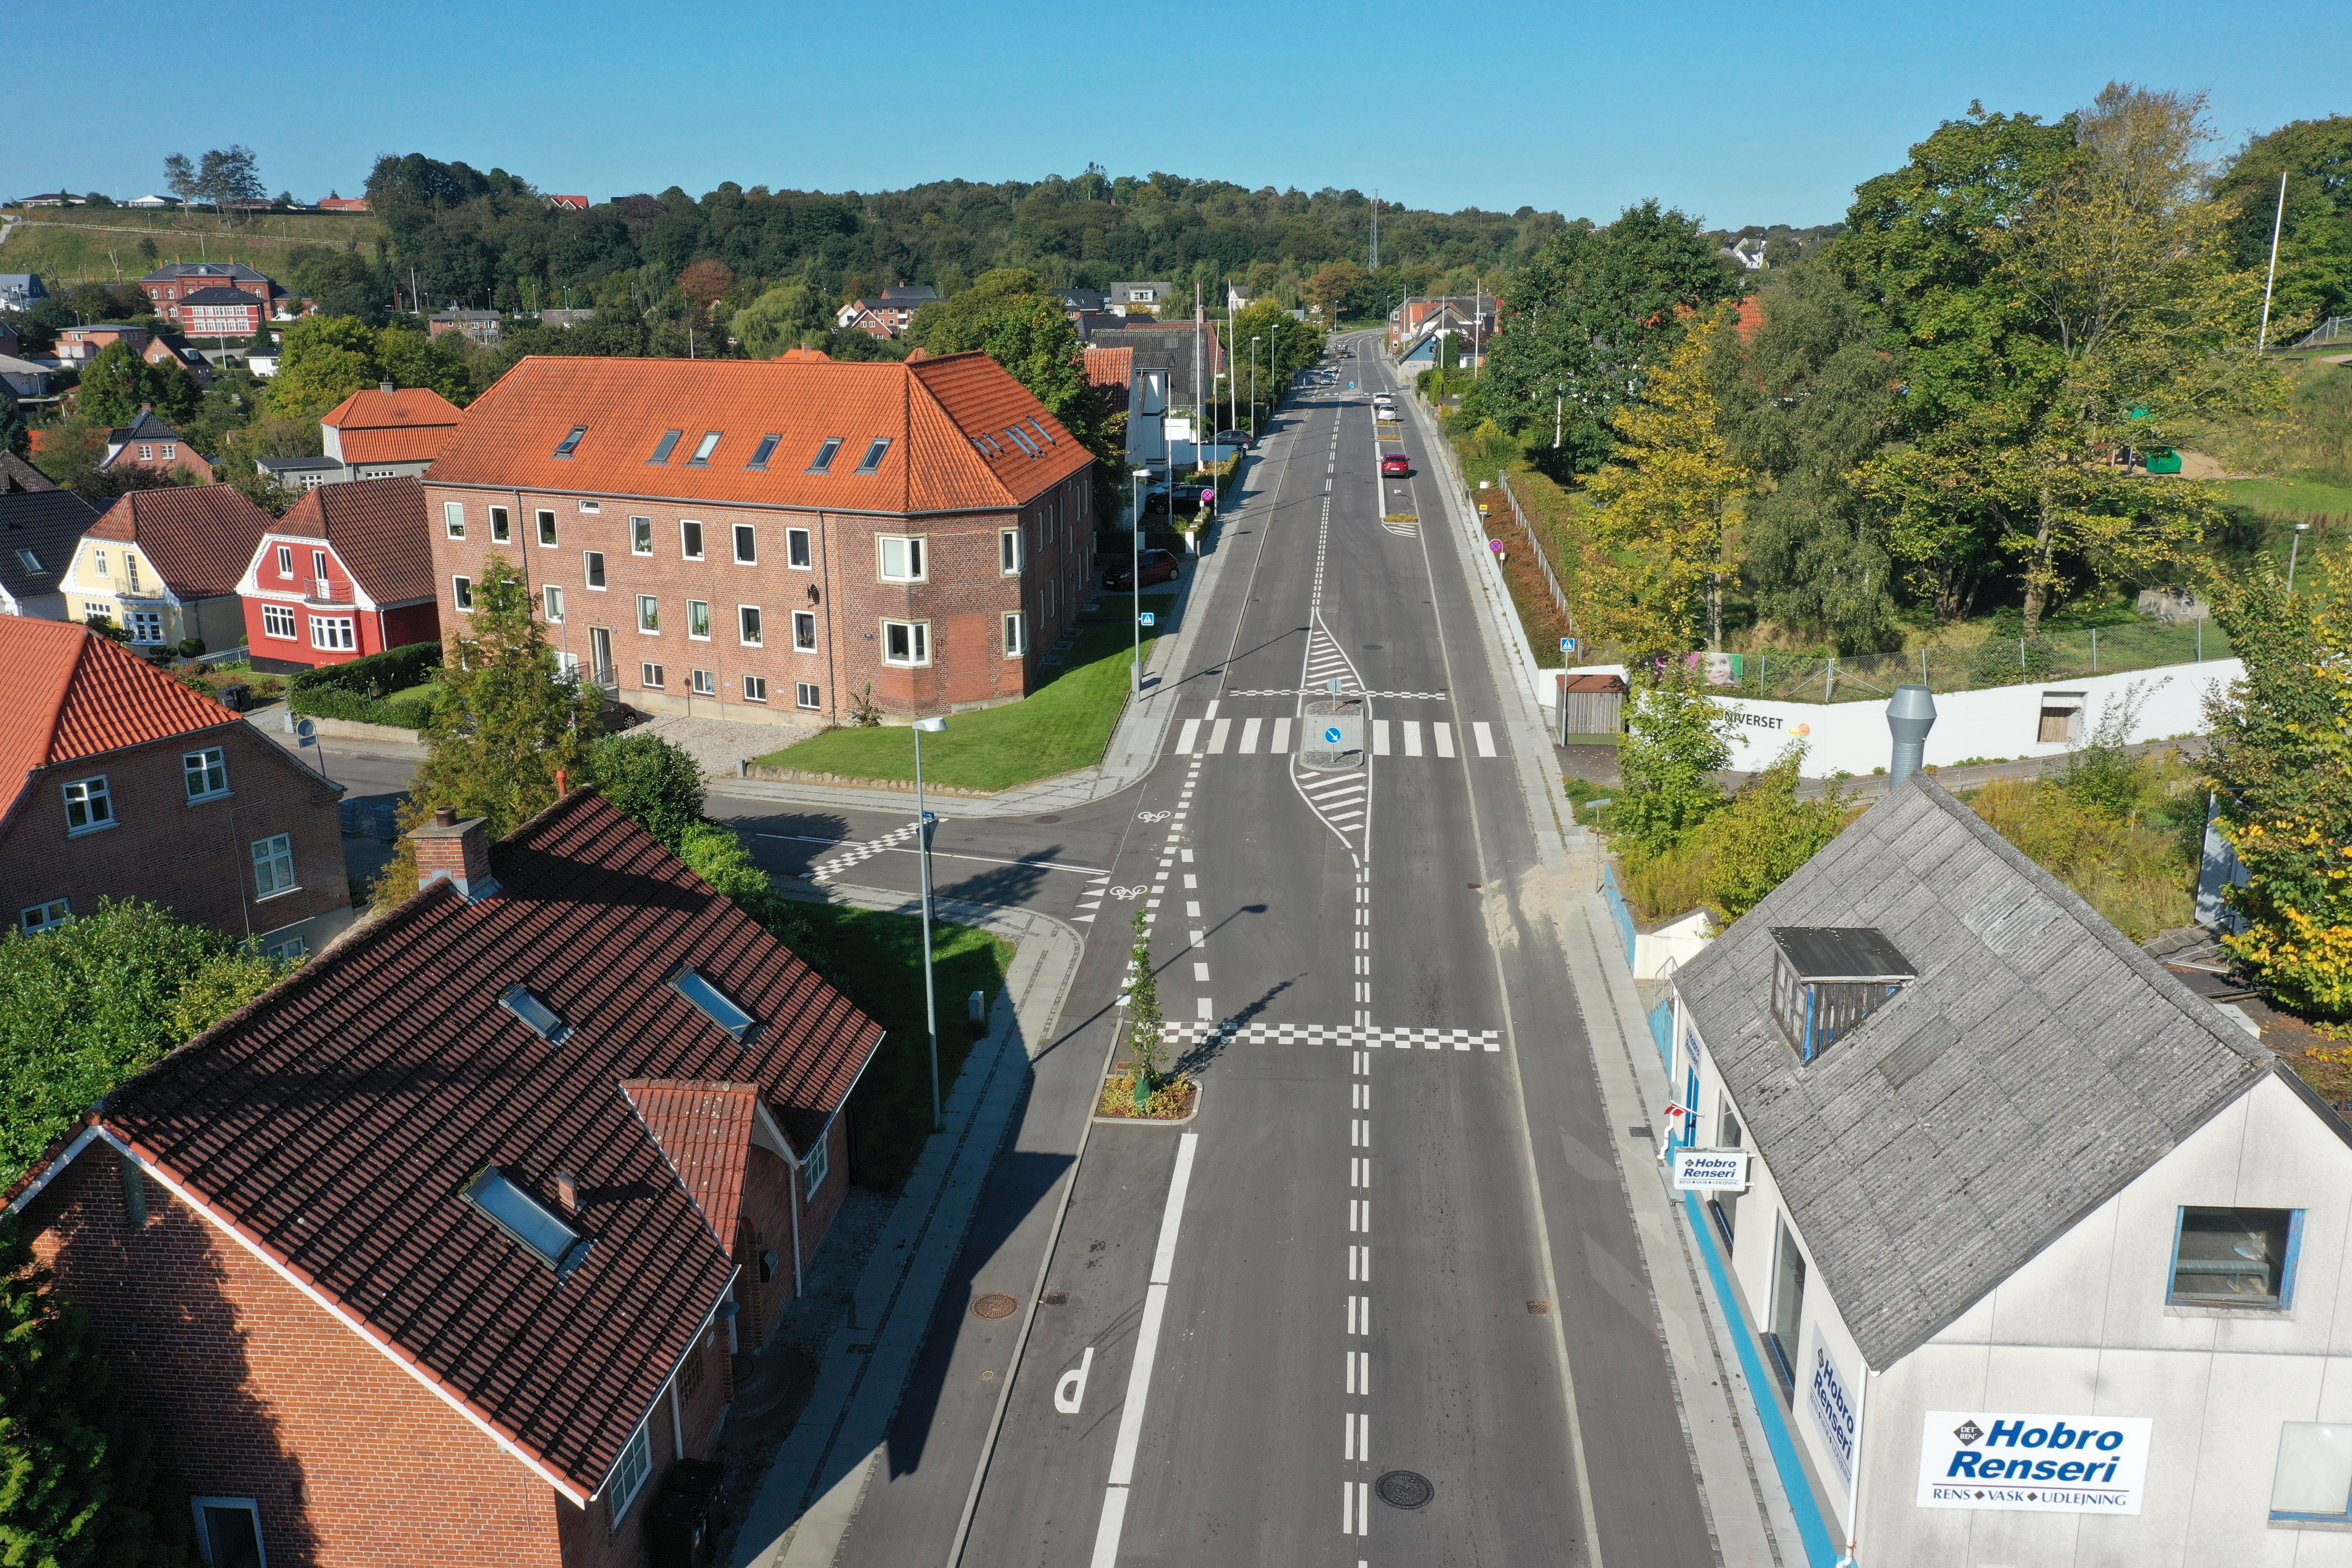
(2036, 1257)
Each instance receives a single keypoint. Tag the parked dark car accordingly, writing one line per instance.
(1159, 566)
(1395, 463)
(1241, 438)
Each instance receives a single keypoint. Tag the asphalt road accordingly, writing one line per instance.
(1400, 1242)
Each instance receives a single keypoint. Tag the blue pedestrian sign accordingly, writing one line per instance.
(1331, 734)
(1147, 619)
(1568, 645)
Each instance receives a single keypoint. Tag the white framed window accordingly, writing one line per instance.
(649, 675)
(806, 693)
(630, 1472)
(746, 626)
(690, 538)
(553, 597)
(592, 506)
(697, 619)
(817, 1166)
(284, 560)
(336, 634)
(592, 569)
(89, 805)
(46, 916)
(901, 557)
(171, 449)
(461, 594)
(649, 612)
(146, 625)
(1016, 633)
(146, 452)
(206, 772)
(706, 683)
(286, 950)
(501, 526)
(755, 689)
(641, 536)
(2313, 1479)
(747, 545)
(799, 554)
(319, 568)
(273, 865)
(453, 518)
(907, 642)
(131, 567)
(1008, 551)
(804, 630)
(228, 1532)
(278, 621)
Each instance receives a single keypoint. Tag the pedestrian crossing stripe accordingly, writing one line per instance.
(834, 866)
(1391, 736)
(1355, 1035)
(1318, 691)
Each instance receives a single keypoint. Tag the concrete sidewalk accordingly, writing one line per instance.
(803, 1506)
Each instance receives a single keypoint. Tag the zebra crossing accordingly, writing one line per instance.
(1214, 737)
(1398, 696)
(833, 866)
(1357, 1036)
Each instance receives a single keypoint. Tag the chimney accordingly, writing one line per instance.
(567, 1191)
(386, 388)
(457, 850)
(1910, 714)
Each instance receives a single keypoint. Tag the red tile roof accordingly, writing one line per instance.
(378, 530)
(334, 1120)
(197, 537)
(395, 446)
(932, 410)
(705, 1133)
(72, 693)
(402, 409)
(1110, 367)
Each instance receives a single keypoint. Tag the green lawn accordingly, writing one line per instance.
(1062, 727)
(878, 957)
(2289, 497)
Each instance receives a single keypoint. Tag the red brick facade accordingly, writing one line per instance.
(195, 856)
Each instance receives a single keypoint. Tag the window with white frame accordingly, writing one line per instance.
(285, 949)
(747, 545)
(592, 569)
(641, 536)
(146, 452)
(453, 518)
(697, 619)
(901, 557)
(650, 677)
(706, 683)
(1016, 635)
(689, 540)
(501, 526)
(804, 630)
(2313, 1483)
(336, 634)
(547, 528)
(273, 865)
(755, 689)
(553, 597)
(907, 642)
(131, 566)
(817, 1166)
(649, 612)
(206, 772)
(798, 552)
(169, 450)
(228, 1532)
(1008, 550)
(278, 621)
(461, 594)
(89, 804)
(634, 1468)
(46, 916)
(806, 694)
(747, 624)
(146, 625)
(284, 560)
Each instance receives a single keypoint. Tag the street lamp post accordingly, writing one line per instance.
(2293, 550)
(1135, 582)
(1255, 341)
(923, 727)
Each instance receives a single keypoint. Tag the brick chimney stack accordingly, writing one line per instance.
(457, 850)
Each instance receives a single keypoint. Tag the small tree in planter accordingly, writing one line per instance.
(1146, 1043)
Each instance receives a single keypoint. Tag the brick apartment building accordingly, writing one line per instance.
(739, 538)
(221, 313)
(170, 285)
(134, 785)
(438, 1251)
(347, 572)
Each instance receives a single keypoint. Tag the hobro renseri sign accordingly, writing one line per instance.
(2037, 1464)
(1832, 1411)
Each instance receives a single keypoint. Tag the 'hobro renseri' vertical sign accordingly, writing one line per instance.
(1832, 1411)
(2039, 1464)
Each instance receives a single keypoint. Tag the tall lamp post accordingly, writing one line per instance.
(1255, 341)
(923, 727)
(1135, 582)
(2293, 550)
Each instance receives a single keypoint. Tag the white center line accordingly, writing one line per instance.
(1147, 1348)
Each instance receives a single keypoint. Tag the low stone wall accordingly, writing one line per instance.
(352, 730)
(845, 781)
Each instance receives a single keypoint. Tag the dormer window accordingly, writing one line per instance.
(875, 453)
(825, 456)
(537, 1227)
(703, 448)
(665, 447)
(1827, 980)
(571, 443)
(536, 1015)
(714, 1003)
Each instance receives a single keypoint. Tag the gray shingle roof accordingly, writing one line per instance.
(48, 523)
(2038, 1064)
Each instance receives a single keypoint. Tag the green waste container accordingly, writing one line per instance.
(2164, 461)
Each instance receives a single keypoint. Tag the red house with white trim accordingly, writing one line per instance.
(348, 571)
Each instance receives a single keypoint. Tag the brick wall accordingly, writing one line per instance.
(963, 600)
(195, 858)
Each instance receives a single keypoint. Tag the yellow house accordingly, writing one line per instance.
(163, 564)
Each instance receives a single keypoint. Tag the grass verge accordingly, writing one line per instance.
(1064, 725)
(878, 958)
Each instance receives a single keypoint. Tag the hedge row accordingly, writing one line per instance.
(404, 713)
(356, 691)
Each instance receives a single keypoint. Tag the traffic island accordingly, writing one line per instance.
(1175, 1101)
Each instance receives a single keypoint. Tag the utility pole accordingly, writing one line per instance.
(2277, 222)
(1376, 229)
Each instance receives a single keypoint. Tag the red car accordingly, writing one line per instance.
(1395, 464)
(1159, 566)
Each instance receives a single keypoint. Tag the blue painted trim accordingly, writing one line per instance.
(1812, 1530)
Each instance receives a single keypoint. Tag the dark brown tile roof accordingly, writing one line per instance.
(198, 538)
(705, 1132)
(378, 530)
(335, 1119)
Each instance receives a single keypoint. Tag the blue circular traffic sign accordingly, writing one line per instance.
(1332, 734)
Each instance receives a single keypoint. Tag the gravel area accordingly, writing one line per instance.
(718, 744)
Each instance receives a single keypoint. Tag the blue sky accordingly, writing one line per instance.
(1743, 113)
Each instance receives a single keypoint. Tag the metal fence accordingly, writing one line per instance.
(1997, 661)
(1558, 594)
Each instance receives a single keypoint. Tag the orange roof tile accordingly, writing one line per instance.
(932, 411)
(705, 1132)
(1109, 367)
(416, 446)
(403, 408)
(197, 537)
(378, 530)
(72, 693)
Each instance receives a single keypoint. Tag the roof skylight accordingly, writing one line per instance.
(875, 453)
(32, 561)
(668, 445)
(766, 449)
(703, 448)
(1022, 441)
(530, 1222)
(536, 1015)
(1043, 432)
(571, 443)
(714, 1003)
(825, 456)
(988, 448)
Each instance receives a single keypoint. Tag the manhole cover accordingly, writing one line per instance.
(1404, 1488)
(994, 1307)
(1045, 819)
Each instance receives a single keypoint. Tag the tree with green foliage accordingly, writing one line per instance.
(15, 435)
(224, 179)
(107, 995)
(1012, 316)
(1584, 319)
(1286, 347)
(328, 358)
(2315, 240)
(78, 1475)
(1675, 737)
(789, 315)
(2280, 760)
(1145, 1028)
(119, 383)
(1758, 841)
(656, 782)
(1342, 289)
(509, 720)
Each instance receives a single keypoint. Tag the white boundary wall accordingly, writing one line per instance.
(1999, 723)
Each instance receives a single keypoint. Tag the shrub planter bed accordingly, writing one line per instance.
(1173, 1103)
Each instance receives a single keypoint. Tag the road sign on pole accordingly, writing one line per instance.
(1147, 619)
